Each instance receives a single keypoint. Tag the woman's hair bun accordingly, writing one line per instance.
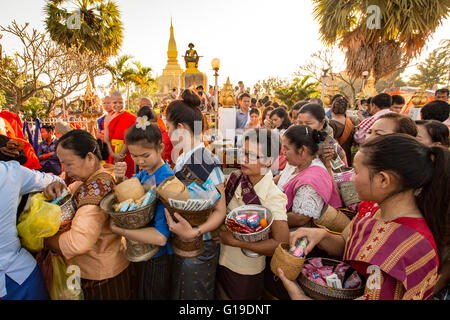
(147, 111)
(191, 98)
(318, 136)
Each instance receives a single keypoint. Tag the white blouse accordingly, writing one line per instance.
(306, 201)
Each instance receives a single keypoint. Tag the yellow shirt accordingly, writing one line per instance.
(270, 197)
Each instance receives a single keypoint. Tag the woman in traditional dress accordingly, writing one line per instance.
(313, 115)
(194, 278)
(106, 274)
(305, 181)
(398, 249)
(241, 277)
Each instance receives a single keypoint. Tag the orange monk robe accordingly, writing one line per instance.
(32, 159)
(15, 122)
(118, 126)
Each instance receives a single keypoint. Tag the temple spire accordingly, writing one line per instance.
(172, 52)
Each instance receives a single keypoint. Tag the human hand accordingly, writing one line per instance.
(117, 157)
(292, 287)
(54, 190)
(120, 168)
(182, 228)
(313, 235)
(226, 237)
(327, 155)
(115, 229)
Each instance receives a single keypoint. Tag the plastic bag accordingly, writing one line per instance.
(65, 284)
(41, 220)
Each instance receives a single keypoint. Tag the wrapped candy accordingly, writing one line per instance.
(316, 262)
(354, 281)
(241, 218)
(253, 221)
(340, 270)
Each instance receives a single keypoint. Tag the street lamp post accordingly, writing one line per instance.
(215, 64)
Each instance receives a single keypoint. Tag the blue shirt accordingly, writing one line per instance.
(16, 180)
(160, 222)
(53, 161)
(242, 119)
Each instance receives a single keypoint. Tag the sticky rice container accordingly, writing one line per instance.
(291, 265)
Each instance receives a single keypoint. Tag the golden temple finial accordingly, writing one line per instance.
(172, 52)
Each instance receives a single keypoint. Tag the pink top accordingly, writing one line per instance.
(320, 180)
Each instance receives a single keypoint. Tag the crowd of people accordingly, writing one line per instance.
(289, 157)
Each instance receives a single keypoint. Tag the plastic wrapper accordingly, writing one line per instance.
(354, 281)
(41, 220)
(64, 286)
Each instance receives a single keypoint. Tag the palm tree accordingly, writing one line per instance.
(298, 90)
(404, 29)
(142, 75)
(100, 31)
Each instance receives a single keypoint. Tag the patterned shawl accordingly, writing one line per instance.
(198, 167)
(407, 260)
(249, 195)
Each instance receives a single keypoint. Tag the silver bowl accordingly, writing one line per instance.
(262, 212)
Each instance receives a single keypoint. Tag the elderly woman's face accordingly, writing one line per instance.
(76, 167)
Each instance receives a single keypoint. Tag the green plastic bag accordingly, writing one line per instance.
(41, 220)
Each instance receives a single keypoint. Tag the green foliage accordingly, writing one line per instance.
(433, 72)
(297, 89)
(33, 108)
(405, 27)
(100, 31)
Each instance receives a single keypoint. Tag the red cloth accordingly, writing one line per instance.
(368, 209)
(168, 147)
(32, 159)
(15, 122)
(117, 129)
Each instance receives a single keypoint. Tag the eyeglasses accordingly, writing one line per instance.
(252, 157)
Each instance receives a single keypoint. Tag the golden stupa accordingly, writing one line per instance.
(170, 77)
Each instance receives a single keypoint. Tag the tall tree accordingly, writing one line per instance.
(39, 64)
(433, 71)
(94, 28)
(379, 36)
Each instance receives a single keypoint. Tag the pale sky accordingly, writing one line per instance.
(254, 39)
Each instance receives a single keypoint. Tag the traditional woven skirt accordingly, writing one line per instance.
(121, 287)
(235, 286)
(154, 278)
(194, 278)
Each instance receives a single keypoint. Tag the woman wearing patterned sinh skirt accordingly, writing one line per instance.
(194, 278)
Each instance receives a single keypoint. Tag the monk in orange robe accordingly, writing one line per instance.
(13, 132)
(115, 128)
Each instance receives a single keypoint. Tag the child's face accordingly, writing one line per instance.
(145, 157)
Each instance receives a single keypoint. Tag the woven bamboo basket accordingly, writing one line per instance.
(319, 292)
(262, 212)
(291, 265)
(135, 219)
(348, 193)
(333, 219)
